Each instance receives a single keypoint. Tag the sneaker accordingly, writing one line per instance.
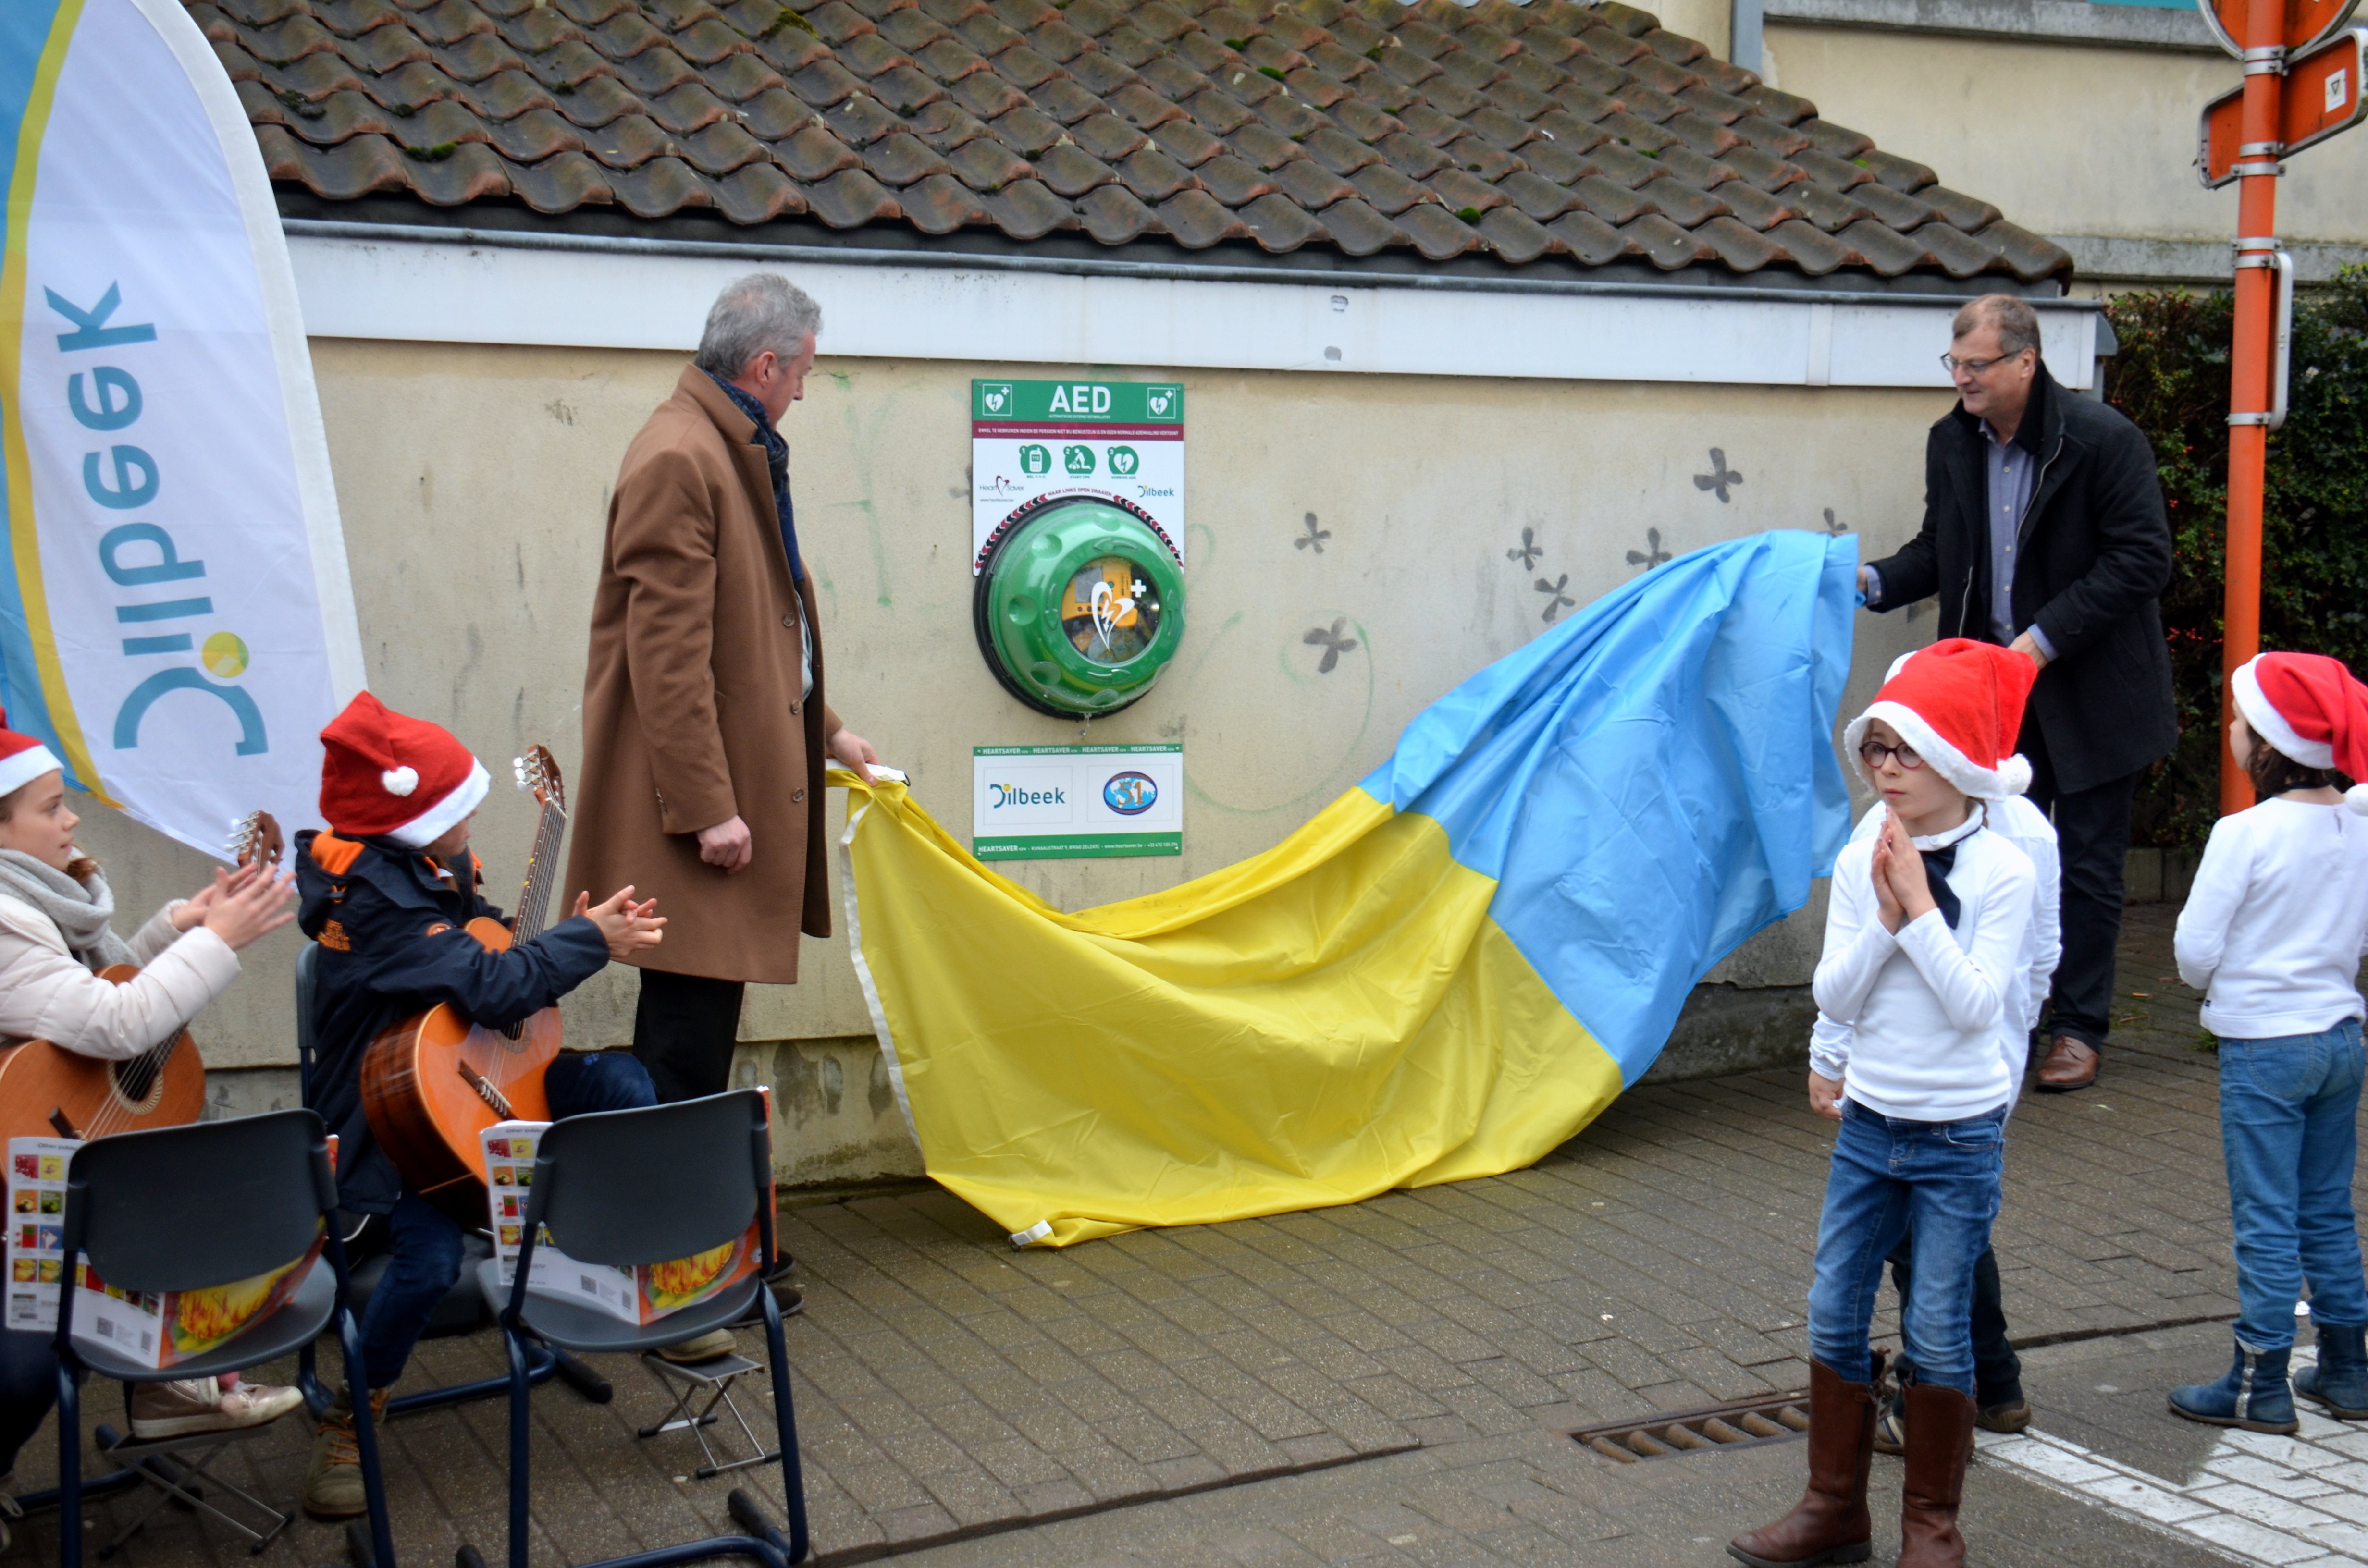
(1891, 1421)
(198, 1404)
(332, 1485)
(2013, 1415)
(703, 1347)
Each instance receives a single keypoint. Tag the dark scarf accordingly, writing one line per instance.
(1939, 863)
(777, 459)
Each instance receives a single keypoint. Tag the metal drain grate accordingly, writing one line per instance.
(1741, 1425)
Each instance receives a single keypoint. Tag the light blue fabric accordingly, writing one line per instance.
(1653, 781)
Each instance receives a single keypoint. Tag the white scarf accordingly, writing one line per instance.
(83, 912)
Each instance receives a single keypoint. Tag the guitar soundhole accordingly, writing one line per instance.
(140, 1082)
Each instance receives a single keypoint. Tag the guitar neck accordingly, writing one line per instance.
(541, 870)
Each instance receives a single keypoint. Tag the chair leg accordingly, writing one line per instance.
(366, 1440)
(793, 1479)
(520, 1417)
(69, 1464)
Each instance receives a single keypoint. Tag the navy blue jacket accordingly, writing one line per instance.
(389, 929)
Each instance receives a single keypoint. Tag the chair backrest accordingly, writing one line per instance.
(307, 962)
(631, 1187)
(183, 1208)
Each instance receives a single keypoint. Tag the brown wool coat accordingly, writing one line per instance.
(691, 709)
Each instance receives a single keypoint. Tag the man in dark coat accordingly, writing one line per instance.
(2045, 530)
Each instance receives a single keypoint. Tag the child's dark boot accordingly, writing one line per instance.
(1830, 1523)
(2340, 1381)
(2254, 1394)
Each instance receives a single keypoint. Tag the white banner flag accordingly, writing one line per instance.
(175, 618)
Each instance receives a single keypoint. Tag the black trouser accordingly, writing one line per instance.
(1998, 1371)
(2092, 845)
(684, 1028)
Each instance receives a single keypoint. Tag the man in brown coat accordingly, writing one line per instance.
(705, 728)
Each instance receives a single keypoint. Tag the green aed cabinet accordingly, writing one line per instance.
(1079, 605)
(1076, 523)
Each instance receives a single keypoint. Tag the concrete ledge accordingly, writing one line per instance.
(2033, 21)
(2115, 258)
(1737, 1028)
(2159, 876)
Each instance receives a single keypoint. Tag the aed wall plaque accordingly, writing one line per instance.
(1116, 440)
(1078, 516)
(1077, 802)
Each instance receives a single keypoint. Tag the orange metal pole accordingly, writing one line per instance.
(2249, 380)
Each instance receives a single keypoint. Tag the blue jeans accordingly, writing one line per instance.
(2287, 1126)
(1938, 1180)
(424, 1257)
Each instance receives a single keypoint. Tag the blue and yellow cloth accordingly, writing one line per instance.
(1450, 971)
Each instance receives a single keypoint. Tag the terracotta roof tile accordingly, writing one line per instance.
(1550, 129)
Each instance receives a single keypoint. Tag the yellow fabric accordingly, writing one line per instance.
(1324, 1022)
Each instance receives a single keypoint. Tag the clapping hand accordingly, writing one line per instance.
(241, 905)
(628, 928)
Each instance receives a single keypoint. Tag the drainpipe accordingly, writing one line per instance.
(1743, 47)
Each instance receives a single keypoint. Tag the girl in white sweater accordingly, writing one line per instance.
(55, 936)
(1926, 961)
(2272, 934)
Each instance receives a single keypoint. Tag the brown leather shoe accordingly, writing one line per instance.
(1830, 1524)
(1939, 1441)
(2071, 1064)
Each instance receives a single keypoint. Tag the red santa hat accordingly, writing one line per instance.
(386, 776)
(1959, 705)
(2307, 705)
(22, 759)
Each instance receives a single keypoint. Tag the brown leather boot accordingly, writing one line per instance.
(1830, 1524)
(1939, 1441)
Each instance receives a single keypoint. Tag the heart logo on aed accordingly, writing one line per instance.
(995, 402)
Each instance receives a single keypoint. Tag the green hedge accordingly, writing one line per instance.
(2171, 377)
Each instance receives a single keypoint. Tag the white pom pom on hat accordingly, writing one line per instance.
(399, 780)
(2357, 799)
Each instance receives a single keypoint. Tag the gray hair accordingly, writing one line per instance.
(763, 311)
(2017, 323)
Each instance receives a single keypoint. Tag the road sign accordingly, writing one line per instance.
(2306, 22)
(2322, 96)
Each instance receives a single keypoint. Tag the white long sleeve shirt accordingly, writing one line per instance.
(1933, 1013)
(2026, 827)
(2276, 921)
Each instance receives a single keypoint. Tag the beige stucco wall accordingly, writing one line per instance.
(473, 482)
(2065, 138)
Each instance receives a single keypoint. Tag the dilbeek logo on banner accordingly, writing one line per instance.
(141, 554)
(1013, 795)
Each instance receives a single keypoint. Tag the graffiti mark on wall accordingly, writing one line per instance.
(1556, 600)
(1314, 538)
(1832, 525)
(1720, 478)
(1528, 551)
(1652, 555)
(1333, 644)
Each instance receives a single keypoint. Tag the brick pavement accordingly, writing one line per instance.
(948, 1386)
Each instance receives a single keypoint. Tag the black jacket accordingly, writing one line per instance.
(2090, 563)
(391, 943)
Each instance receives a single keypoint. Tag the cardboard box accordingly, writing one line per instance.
(638, 1295)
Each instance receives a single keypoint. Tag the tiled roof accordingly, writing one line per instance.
(1508, 131)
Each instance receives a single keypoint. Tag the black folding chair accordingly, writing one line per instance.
(625, 1187)
(542, 1362)
(185, 1207)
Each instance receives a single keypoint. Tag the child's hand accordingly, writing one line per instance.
(629, 927)
(193, 910)
(1825, 1096)
(1908, 884)
(1886, 902)
(251, 904)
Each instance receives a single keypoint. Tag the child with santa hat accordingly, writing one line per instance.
(388, 894)
(1927, 951)
(2273, 933)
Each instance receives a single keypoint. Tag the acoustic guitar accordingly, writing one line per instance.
(432, 1084)
(47, 1091)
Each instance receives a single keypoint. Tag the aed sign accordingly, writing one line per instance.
(1077, 802)
(1119, 440)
